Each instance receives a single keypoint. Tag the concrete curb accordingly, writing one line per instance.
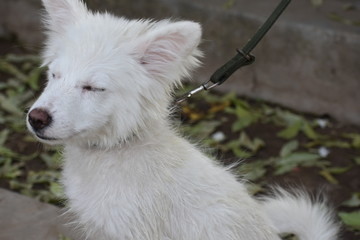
(22, 217)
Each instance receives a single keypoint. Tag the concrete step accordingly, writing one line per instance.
(22, 218)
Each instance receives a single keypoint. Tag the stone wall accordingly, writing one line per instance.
(307, 61)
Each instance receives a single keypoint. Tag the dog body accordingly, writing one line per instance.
(149, 190)
(127, 173)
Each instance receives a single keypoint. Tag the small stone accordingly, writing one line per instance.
(322, 123)
(218, 136)
(323, 152)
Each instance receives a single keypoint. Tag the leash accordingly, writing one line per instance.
(243, 56)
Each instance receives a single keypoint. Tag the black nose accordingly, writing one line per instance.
(39, 119)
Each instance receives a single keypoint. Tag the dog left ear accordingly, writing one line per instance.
(170, 50)
(61, 13)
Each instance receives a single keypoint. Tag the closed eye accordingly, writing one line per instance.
(89, 88)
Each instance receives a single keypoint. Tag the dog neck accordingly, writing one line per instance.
(150, 134)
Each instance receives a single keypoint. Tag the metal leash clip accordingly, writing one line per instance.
(242, 58)
(205, 86)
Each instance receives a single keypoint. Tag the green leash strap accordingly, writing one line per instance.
(243, 57)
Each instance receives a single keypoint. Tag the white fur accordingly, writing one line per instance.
(127, 173)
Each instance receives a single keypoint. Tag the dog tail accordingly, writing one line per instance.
(298, 214)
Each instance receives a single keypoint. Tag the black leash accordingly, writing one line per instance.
(243, 56)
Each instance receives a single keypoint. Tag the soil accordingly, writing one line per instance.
(302, 177)
(349, 181)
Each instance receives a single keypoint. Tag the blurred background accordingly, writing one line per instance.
(293, 116)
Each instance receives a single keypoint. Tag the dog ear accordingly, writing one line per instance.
(169, 50)
(60, 13)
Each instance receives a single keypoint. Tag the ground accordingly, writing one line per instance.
(269, 144)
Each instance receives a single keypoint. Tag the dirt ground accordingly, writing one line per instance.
(275, 145)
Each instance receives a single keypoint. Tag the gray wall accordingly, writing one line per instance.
(307, 61)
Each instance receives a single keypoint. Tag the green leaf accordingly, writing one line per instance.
(253, 145)
(7, 152)
(10, 170)
(3, 136)
(330, 143)
(243, 147)
(357, 160)
(244, 113)
(10, 105)
(288, 163)
(201, 130)
(300, 157)
(62, 237)
(288, 148)
(309, 131)
(229, 4)
(230, 145)
(42, 176)
(355, 138)
(253, 188)
(34, 78)
(253, 170)
(14, 58)
(351, 219)
(291, 131)
(242, 154)
(245, 118)
(338, 170)
(317, 3)
(328, 176)
(52, 161)
(57, 189)
(257, 144)
(354, 201)
(288, 118)
(28, 157)
(336, 17)
(12, 70)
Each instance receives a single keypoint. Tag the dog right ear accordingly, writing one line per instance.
(169, 49)
(61, 13)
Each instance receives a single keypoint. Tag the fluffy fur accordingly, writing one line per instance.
(127, 173)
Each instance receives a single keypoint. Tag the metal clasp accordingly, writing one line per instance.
(205, 86)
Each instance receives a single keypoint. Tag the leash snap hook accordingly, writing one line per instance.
(205, 86)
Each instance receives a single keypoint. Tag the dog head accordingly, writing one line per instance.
(109, 78)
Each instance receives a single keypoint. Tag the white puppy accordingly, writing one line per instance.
(127, 173)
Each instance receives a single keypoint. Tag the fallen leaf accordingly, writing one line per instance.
(355, 139)
(244, 118)
(201, 130)
(291, 131)
(34, 78)
(354, 201)
(253, 170)
(338, 170)
(317, 3)
(336, 17)
(309, 131)
(290, 162)
(288, 148)
(219, 107)
(12, 70)
(9, 105)
(328, 176)
(351, 219)
(3, 136)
